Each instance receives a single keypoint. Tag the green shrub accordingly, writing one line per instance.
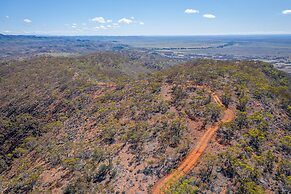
(183, 187)
(53, 125)
(101, 174)
(98, 155)
(241, 120)
(226, 98)
(256, 137)
(242, 103)
(225, 133)
(70, 162)
(19, 152)
(251, 188)
(285, 144)
(213, 111)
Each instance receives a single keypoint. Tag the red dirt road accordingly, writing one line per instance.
(191, 160)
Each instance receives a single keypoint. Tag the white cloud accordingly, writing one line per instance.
(7, 17)
(287, 11)
(99, 20)
(27, 20)
(141, 23)
(209, 16)
(191, 11)
(125, 21)
(109, 21)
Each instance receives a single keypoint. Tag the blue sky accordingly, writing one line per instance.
(145, 17)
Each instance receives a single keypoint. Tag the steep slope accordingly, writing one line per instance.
(250, 154)
(192, 158)
(85, 125)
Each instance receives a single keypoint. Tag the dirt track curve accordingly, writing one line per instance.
(191, 160)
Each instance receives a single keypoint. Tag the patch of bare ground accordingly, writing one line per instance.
(54, 180)
(166, 90)
(194, 131)
(129, 176)
(104, 87)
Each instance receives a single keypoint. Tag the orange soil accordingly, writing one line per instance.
(165, 92)
(191, 160)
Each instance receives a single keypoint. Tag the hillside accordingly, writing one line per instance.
(13, 46)
(95, 124)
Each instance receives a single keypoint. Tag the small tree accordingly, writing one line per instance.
(250, 187)
(225, 133)
(241, 120)
(226, 98)
(285, 144)
(256, 137)
(213, 111)
(242, 103)
(183, 187)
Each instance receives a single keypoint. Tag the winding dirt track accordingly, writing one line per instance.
(191, 160)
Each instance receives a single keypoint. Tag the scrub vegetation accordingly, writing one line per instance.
(110, 122)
